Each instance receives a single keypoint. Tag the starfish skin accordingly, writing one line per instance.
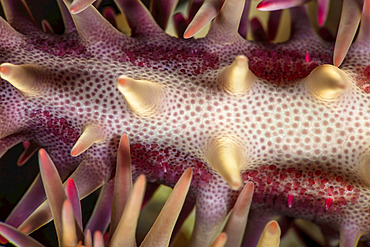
(307, 157)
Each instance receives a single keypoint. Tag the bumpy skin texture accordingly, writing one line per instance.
(294, 145)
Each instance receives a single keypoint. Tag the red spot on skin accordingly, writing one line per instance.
(324, 181)
(363, 79)
(349, 187)
(367, 72)
(311, 181)
(342, 201)
(59, 47)
(306, 188)
(205, 176)
(279, 66)
(58, 126)
(163, 165)
(296, 185)
(156, 162)
(253, 173)
(330, 190)
(157, 58)
(283, 176)
(290, 170)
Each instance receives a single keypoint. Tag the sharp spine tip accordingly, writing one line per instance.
(236, 79)
(205, 14)
(225, 156)
(290, 200)
(349, 21)
(220, 240)
(29, 149)
(90, 135)
(271, 235)
(273, 226)
(24, 77)
(328, 203)
(78, 6)
(143, 96)
(46, 27)
(272, 5)
(327, 82)
(322, 11)
(307, 57)
(5, 69)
